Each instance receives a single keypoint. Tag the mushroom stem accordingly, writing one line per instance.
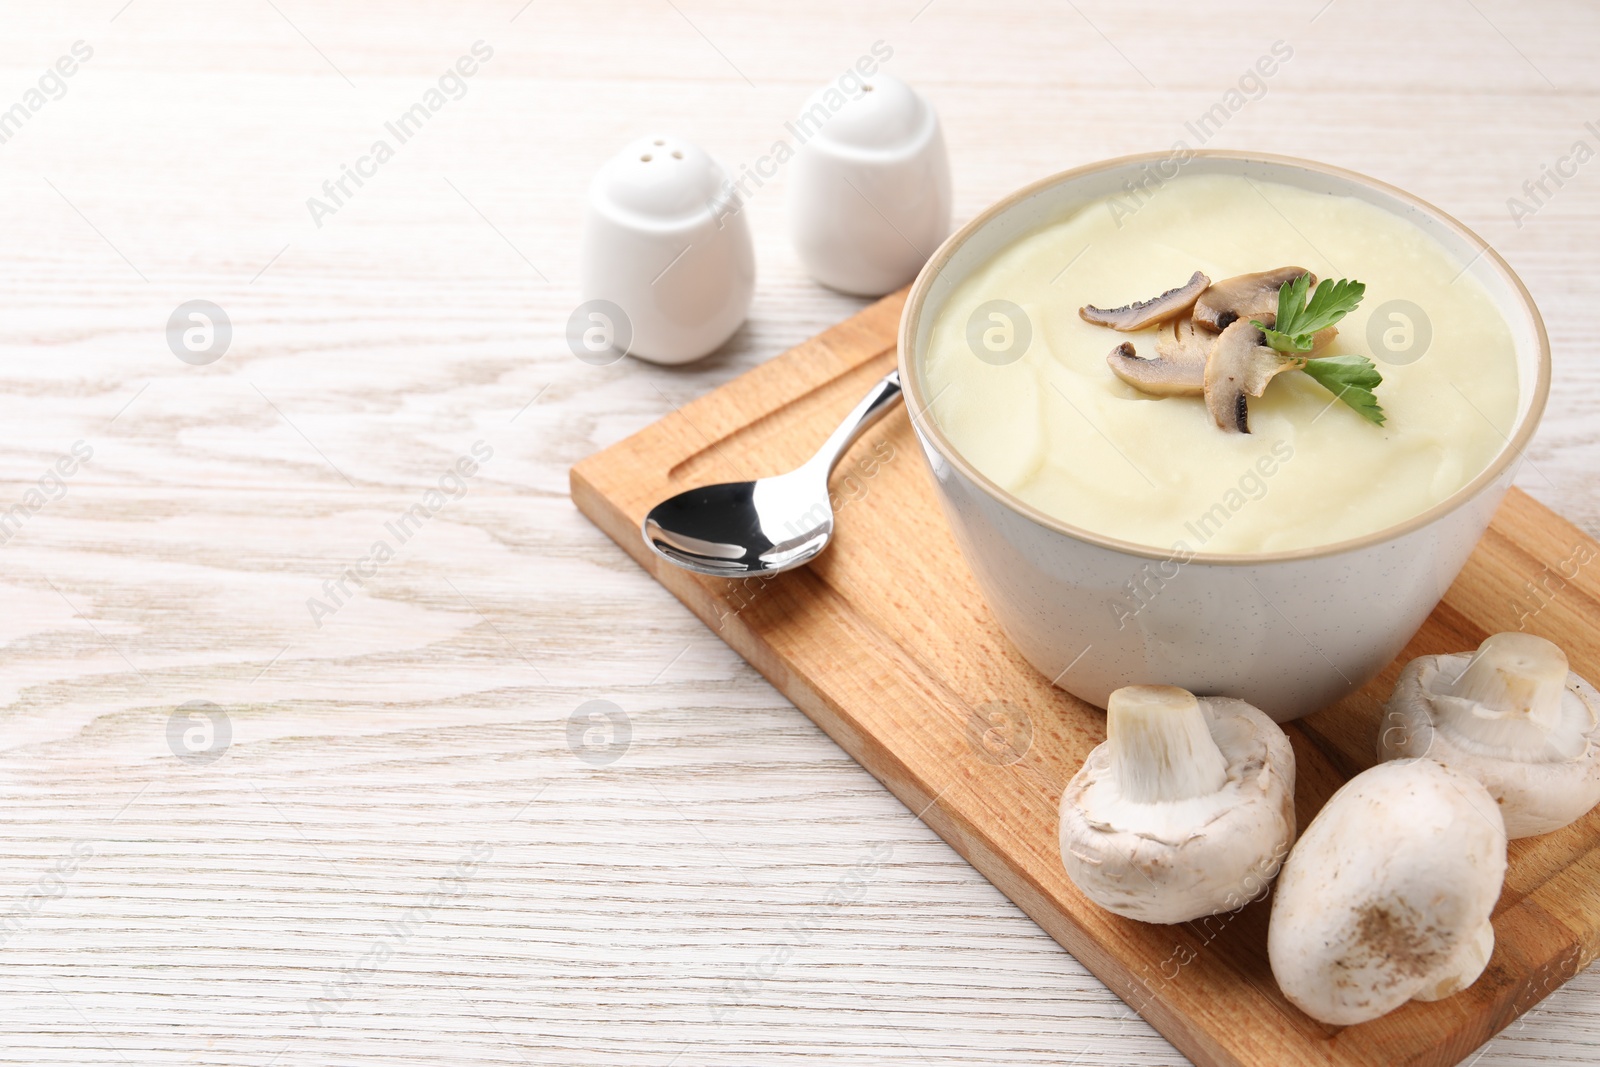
(1513, 676)
(1161, 747)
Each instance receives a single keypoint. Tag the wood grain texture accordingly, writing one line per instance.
(635, 911)
(886, 644)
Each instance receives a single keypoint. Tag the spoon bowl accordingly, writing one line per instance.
(765, 526)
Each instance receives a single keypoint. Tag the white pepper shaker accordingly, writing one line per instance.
(869, 190)
(666, 251)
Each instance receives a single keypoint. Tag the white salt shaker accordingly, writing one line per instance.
(869, 189)
(667, 268)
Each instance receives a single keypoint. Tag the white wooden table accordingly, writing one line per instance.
(385, 842)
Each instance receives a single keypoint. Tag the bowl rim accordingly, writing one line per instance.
(1515, 445)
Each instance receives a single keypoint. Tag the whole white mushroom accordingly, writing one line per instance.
(1512, 716)
(1386, 897)
(1186, 810)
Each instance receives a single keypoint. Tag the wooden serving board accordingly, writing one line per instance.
(886, 644)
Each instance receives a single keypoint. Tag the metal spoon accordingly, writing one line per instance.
(738, 529)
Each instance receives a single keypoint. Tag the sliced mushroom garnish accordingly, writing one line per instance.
(1187, 344)
(1321, 340)
(1142, 313)
(1161, 376)
(1240, 366)
(1249, 296)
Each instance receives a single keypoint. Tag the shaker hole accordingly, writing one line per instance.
(660, 142)
(677, 155)
(645, 158)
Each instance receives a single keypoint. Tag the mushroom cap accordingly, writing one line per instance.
(1386, 898)
(1173, 861)
(1536, 795)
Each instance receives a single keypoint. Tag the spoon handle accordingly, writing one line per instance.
(874, 406)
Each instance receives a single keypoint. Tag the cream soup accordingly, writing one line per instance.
(1058, 429)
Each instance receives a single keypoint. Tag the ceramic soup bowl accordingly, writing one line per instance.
(1291, 632)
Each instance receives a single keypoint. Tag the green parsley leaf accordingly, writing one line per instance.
(1352, 379)
(1284, 342)
(1299, 320)
(1292, 302)
(1332, 301)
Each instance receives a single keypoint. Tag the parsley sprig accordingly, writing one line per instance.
(1352, 379)
(1299, 320)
